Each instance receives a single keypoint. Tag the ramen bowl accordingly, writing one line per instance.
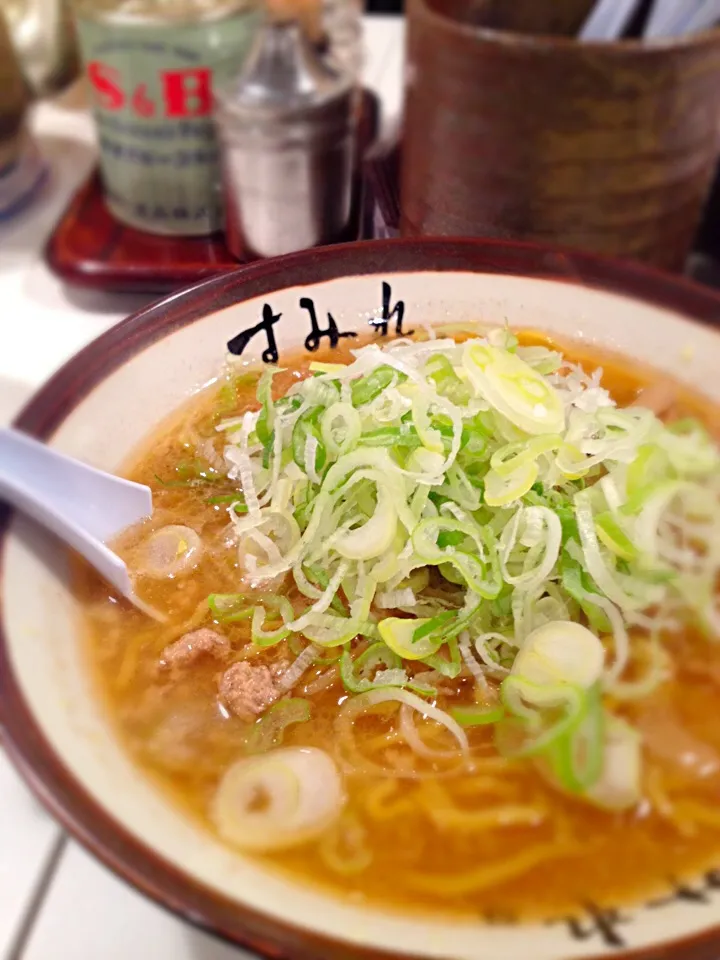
(109, 397)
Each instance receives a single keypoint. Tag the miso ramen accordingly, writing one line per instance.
(436, 624)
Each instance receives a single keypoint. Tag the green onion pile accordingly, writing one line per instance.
(482, 508)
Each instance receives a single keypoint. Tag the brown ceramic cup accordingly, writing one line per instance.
(510, 133)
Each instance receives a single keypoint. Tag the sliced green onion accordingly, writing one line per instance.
(263, 637)
(512, 456)
(430, 437)
(317, 575)
(399, 634)
(560, 652)
(576, 759)
(368, 388)
(236, 498)
(450, 668)
(501, 491)
(427, 533)
(340, 428)
(448, 384)
(690, 448)
(614, 537)
(477, 716)
(329, 630)
(619, 786)
(650, 465)
(227, 395)
(376, 535)
(516, 390)
(266, 420)
(358, 675)
(192, 473)
(433, 624)
(331, 368)
(404, 436)
(229, 607)
(268, 449)
(306, 426)
(269, 731)
(580, 587)
(537, 716)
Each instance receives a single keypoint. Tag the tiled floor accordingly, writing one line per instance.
(29, 847)
(55, 901)
(119, 923)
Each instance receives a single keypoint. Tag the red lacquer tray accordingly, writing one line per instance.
(90, 248)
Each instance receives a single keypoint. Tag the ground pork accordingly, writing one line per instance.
(248, 689)
(192, 646)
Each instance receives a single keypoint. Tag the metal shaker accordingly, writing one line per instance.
(286, 127)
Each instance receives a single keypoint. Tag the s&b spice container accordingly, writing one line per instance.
(152, 66)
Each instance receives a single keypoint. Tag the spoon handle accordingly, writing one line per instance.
(103, 505)
(81, 505)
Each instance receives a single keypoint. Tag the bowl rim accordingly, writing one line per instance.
(58, 790)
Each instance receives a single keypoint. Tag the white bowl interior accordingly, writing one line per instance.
(41, 621)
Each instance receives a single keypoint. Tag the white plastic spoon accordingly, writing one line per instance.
(608, 19)
(83, 506)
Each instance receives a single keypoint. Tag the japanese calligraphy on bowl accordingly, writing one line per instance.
(318, 334)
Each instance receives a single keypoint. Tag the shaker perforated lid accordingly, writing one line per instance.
(284, 78)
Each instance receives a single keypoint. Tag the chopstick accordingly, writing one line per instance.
(608, 19)
(670, 18)
(665, 15)
(667, 18)
(704, 17)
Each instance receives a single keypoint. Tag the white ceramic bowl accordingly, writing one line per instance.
(109, 397)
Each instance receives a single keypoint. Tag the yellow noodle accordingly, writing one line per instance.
(402, 761)
(130, 659)
(383, 740)
(201, 613)
(488, 875)
(698, 813)
(218, 564)
(566, 834)
(656, 791)
(344, 848)
(491, 818)
(491, 764)
(378, 805)
(246, 652)
(473, 786)
(440, 809)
